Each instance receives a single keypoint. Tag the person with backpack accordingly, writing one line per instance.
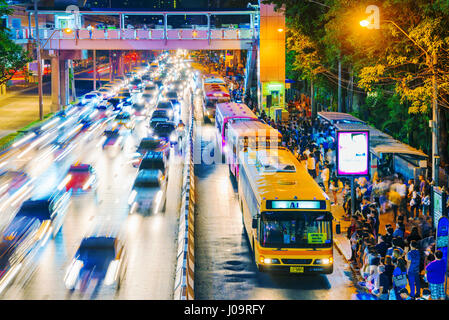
(399, 279)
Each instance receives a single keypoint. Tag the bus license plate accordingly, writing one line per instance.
(296, 269)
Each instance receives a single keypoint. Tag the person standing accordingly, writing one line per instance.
(435, 273)
(401, 188)
(395, 200)
(413, 258)
(325, 175)
(399, 278)
(311, 166)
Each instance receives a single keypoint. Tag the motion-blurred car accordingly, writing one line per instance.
(172, 96)
(50, 210)
(149, 144)
(135, 85)
(99, 258)
(19, 243)
(126, 120)
(161, 114)
(90, 98)
(148, 98)
(164, 104)
(117, 103)
(80, 178)
(113, 140)
(106, 92)
(148, 193)
(166, 131)
(139, 110)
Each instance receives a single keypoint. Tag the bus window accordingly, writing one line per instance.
(292, 230)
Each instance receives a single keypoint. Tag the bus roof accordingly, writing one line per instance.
(380, 142)
(235, 110)
(284, 179)
(212, 90)
(252, 129)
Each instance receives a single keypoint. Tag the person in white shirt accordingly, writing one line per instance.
(325, 175)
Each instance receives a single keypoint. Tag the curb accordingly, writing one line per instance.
(356, 273)
(185, 266)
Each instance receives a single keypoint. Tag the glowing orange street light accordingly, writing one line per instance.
(280, 30)
(68, 30)
(195, 34)
(364, 23)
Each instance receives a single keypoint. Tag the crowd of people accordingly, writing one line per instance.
(388, 260)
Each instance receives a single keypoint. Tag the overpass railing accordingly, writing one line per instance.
(138, 34)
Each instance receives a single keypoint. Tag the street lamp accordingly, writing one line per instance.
(431, 61)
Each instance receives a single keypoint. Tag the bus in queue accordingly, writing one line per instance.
(252, 134)
(230, 112)
(214, 94)
(286, 215)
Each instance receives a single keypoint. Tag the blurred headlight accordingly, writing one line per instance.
(323, 261)
(173, 137)
(271, 261)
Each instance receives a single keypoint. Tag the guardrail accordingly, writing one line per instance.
(185, 267)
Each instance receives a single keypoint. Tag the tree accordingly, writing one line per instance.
(395, 68)
(12, 56)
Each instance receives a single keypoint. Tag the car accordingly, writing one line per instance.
(19, 244)
(148, 194)
(125, 119)
(166, 131)
(151, 88)
(112, 139)
(105, 92)
(148, 98)
(90, 98)
(12, 182)
(51, 211)
(116, 103)
(103, 110)
(159, 116)
(172, 96)
(126, 96)
(80, 178)
(102, 258)
(149, 144)
(154, 160)
(139, 110)
(135, 85)
(164, 104)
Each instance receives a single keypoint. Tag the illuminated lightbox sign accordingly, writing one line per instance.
(287, 204)
(353, 153)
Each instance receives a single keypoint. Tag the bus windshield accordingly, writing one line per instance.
(296, 230)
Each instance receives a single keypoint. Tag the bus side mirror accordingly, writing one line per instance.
(255, 222)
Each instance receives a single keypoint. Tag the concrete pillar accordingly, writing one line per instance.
(55, 93)
(64, 81)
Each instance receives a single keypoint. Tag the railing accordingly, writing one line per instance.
(138, 34)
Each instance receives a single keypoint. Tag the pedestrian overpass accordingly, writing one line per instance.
(70, 35)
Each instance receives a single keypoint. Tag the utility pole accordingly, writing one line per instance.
(39, 62)
(95, 68)
(340, 109)
(312, 99)
(435, 128)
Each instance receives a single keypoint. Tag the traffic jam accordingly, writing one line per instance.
(138, 117)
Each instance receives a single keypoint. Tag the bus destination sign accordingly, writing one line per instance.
(292, 205)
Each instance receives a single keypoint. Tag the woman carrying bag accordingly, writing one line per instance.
(399, 279)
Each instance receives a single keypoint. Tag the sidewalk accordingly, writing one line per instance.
(343, 244)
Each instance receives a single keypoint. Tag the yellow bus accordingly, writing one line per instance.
(286, 214)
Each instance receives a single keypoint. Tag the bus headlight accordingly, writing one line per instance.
(270, 261)
(325, 261)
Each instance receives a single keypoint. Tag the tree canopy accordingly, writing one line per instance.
(394, 63)
(12, 56)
